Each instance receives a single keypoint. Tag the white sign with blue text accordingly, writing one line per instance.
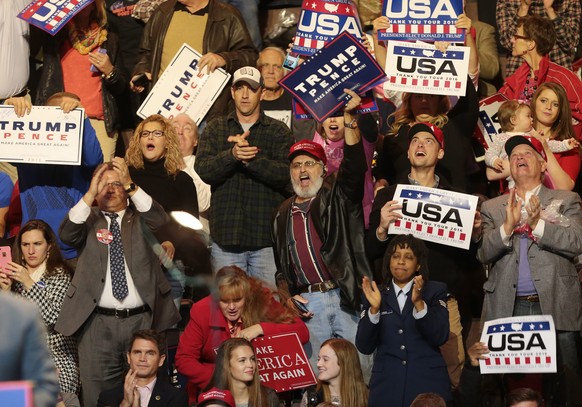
(183, 88)
(520, 345)
(46, 135)
(421, 68)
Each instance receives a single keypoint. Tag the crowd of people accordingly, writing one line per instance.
(295, 216)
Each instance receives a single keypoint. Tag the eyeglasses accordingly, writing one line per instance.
(307, 164)
(521, 37)
(115, 184)
(155, 133)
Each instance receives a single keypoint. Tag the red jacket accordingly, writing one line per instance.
(204, 334)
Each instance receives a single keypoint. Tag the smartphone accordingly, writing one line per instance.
(93, 68)
(141, 80)
(291, 61)
(5, 256)
(300, 306)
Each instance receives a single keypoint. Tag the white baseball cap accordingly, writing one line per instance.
(250, 75)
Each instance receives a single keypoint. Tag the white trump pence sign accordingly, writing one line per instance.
(520, 345)
(421, 68)
(183, 88)
(435, 215)
(45, 136)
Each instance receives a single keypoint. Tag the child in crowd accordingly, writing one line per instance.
(515, 118)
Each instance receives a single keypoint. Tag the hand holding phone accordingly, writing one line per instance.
(300, 306)
(5, 256)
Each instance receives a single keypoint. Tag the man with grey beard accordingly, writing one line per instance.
(318, 238)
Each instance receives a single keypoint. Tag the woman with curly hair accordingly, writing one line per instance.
(155, 164)
(39, 273)
(236, 371)
(339, 377)
(239, 308)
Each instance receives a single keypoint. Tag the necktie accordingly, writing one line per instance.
(118, 279)
(401, 299)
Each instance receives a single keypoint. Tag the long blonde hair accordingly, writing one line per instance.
(404, 116)
(173, 157)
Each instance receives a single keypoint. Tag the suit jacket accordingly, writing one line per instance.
(163, 395)
(550, 258)
(408, 360)
(89, 279)
(23, 349)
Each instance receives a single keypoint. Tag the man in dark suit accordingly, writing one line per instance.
(532, 238)
(118, 287)
(142, 386)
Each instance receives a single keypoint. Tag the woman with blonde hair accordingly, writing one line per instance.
(240, 307)
(155, 164)
(339, 378)
(236, 370)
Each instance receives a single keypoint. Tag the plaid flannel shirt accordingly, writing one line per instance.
(244, 197)
(567, 26)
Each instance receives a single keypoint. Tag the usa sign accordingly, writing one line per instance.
(323, 20)
(52, 15)
(435, 215)
(425, 20)
(520, 345)
(421, 68)
(282, 362)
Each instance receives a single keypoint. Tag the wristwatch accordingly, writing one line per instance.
(130, 188)
(351, 125)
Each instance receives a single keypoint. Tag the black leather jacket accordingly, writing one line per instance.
(51, 79)
(225, 34)
(337, 215)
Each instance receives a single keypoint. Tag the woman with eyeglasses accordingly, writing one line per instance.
(39, 273)
(532, 40)
(155, 161)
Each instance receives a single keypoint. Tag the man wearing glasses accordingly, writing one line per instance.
(318, 238)
(118, 287)
(243, 157)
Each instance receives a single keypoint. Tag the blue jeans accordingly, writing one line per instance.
(249, 10)
(257, 263)
(330, 321)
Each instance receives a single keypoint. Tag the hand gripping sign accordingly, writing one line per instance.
(323, 20)
(425, 20)
(319, 82)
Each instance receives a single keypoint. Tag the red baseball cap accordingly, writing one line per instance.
(216, 395)
(528, 140)
(307, 147)
(429, 128)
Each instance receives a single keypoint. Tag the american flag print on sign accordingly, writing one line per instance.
(52, 15)
(434, 20)
(435, 215)
(323, 20)
(520, 344)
